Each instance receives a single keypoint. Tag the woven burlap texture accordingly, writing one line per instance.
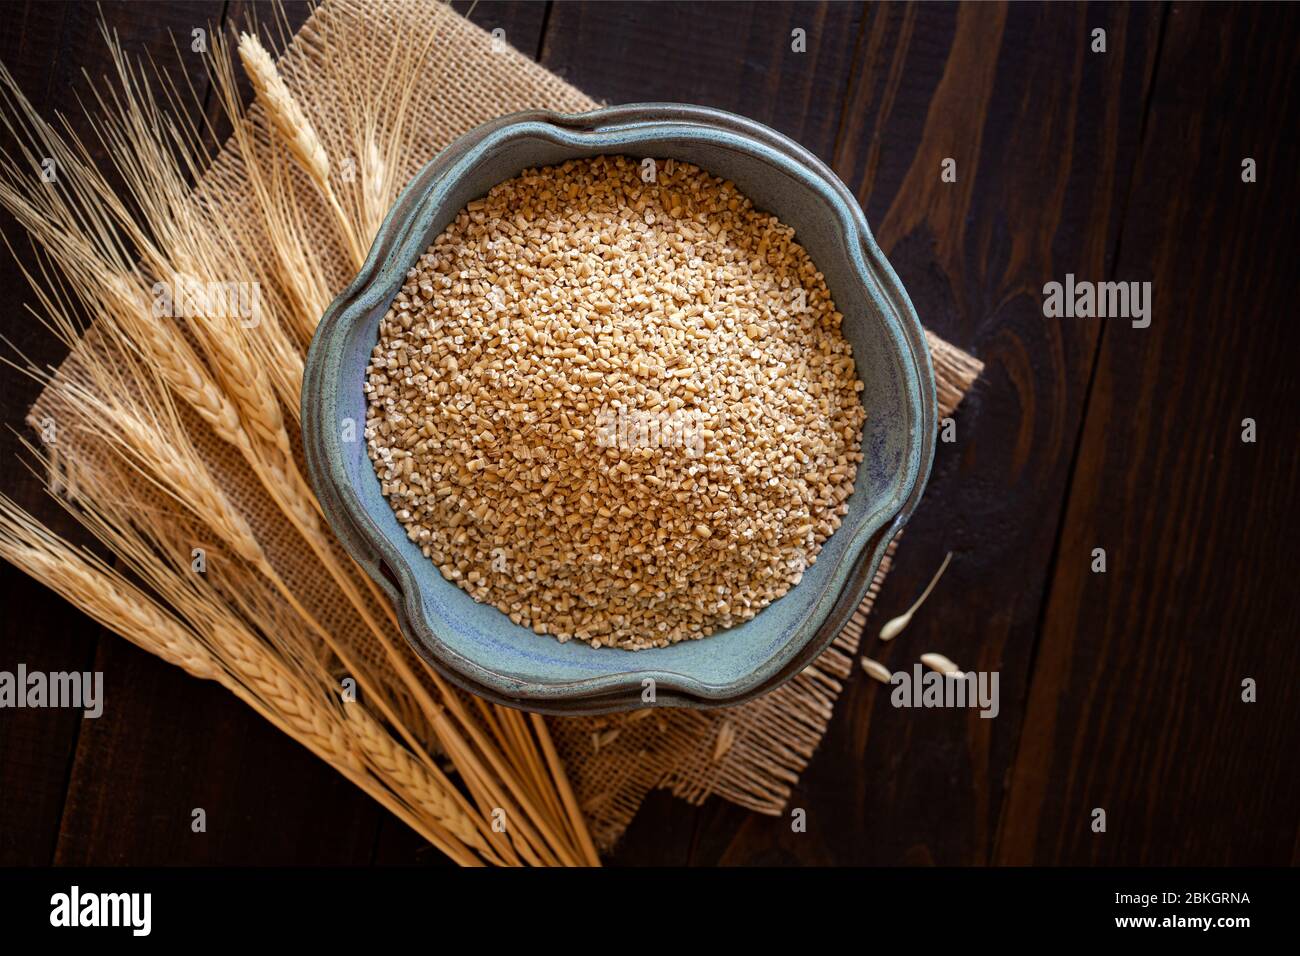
(751, 755)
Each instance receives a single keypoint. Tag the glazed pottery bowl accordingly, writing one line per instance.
(478, 647)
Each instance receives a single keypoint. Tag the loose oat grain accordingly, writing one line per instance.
(619, 411)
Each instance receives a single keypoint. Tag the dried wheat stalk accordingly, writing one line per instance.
(295, 130)
(149, 406)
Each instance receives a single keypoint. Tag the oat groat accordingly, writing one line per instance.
(616, 409)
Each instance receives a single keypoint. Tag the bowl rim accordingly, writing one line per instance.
(400, 239)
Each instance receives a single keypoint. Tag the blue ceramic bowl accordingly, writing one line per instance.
(475, 645)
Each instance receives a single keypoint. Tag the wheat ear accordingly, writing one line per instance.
(99, 590)
(289, 120)
(216, 643)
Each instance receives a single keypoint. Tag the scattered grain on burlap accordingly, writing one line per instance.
(766, 743)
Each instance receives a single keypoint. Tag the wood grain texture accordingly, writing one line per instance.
(735, 56)
(1119, 690)
(1043, 137)
(121, 788)
(185, 743)
(1136, 702)
(46, 47)
(166, 746)
(522, 23)
(37, 746)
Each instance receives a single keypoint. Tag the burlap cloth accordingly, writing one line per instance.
(751, 755)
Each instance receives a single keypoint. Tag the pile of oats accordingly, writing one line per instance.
(613, 400)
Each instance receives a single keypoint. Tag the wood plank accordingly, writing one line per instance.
(735, 56)
(231, 758)
(37, 746)
(135, 818)
(168, 744)
(1119, 714)
(1044, 134)
(522, 22)
(661, 834)
(1136, 697)
(44, 47)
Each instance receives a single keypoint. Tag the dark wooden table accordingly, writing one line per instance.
(1119, 691)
